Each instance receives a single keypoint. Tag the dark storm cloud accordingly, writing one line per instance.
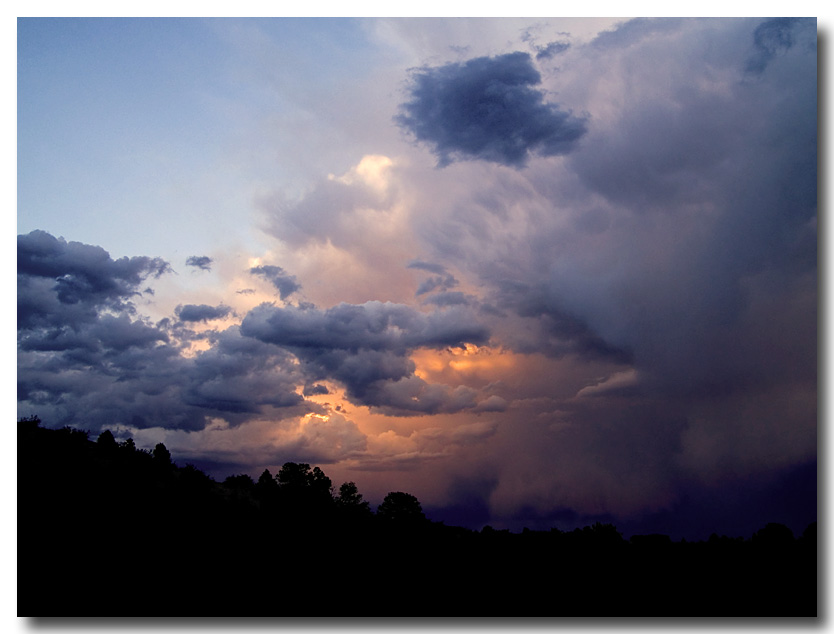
(202, 262)
(201, 312)
(122, 372)
(280, 279)
(365, 347)
(241, 375)
(558, 332)
(57, 279)
(487, 109)
(40, 254)
(370, 326)
(85, 359)
(738, 208)
(676, 252)
(771, 38)
(551, 50)
(310, 390)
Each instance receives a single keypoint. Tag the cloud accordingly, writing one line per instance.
(338, 209)
(365, 347)
(443, 280)
(201, 312)
(285, 283)
(450, 298)
(370, 326)
(631, 32)
(551, 49)
(317, 388)
(771, 37)
(622, 383)
(431, 267)
(486, 109)
(201, 262)
(58, 280)
(393, 452)
(86, 358)
(350, 235)
(492, 404)
(674, 250)
(555, 330)
(330, 438)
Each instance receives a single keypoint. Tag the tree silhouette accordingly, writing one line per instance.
(266, 487)
(774, 535)
(161, 455)
(242, 482)
(304, 491)
(299, 476)
(402, 508)
(230, 531)
(350, 500)
(106, 441)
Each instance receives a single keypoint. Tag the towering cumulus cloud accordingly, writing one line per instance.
(487, 109)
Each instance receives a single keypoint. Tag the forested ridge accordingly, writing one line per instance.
(108, 529)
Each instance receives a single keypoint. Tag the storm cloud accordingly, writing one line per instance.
(61, 281)
(280, 279)
(771, 38)
(201, 312)
(86, 358)
(487, 109)
(370, 326)
(365, 347)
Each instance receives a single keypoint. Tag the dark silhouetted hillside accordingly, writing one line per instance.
(107, 529)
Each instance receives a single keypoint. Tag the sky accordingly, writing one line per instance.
(536, 272)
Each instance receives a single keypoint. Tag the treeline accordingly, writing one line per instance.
(108, 529)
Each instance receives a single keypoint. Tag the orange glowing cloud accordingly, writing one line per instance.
(472, 365)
